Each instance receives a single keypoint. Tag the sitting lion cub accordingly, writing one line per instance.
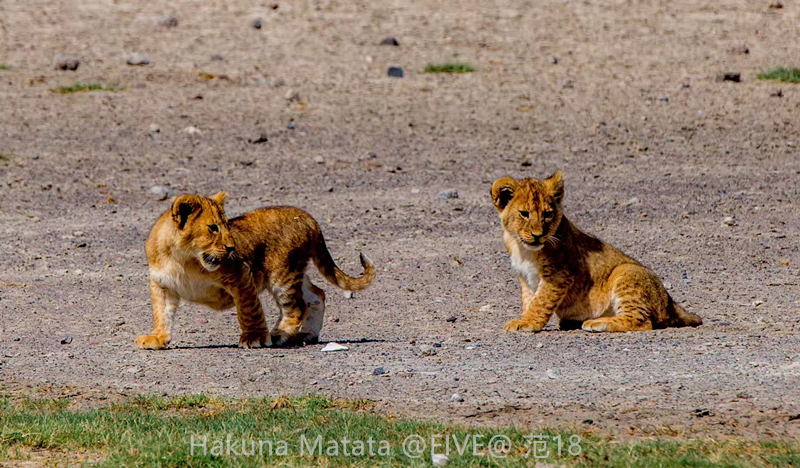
(578, 277)
(196, 254)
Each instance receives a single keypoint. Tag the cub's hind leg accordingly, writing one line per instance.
(287, 290)
(312, 323)
(637, 298)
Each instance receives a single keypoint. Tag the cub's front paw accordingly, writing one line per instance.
(255, 340)
(596, 325)
(282, 338)
(519, 325)
(151, 342)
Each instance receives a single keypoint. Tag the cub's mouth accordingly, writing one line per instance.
(530, 245)
(210, 261)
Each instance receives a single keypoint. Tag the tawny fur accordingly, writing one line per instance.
(564, 271)
(196, 254)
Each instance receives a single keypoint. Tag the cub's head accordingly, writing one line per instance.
(530, 209)
(203, 228)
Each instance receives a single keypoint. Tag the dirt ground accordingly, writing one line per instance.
(656, 152)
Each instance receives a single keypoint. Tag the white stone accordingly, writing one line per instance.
(331, 347)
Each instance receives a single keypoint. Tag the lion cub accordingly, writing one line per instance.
(578, 277)
(196, 254)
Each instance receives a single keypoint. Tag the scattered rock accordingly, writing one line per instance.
(256, 24)
(335, 319)
(795, 417)
(390, 41)
(66, 62)
(776, 6)
(456, 398)
(486, 308)
(446, 194)
(154, 128)
(439, 459)
(731, 76)
(539, 345)
(167, 21)
(702, 413)
(332, 347)
(347, 294)
(192, 130)
(161, 193)
(292, 95)
(17, 339)
(729, 221)
(379, 371)
(34, 156)
(427, 350)
(246, 163)
(415, 191)
(553, 59)
(632, 201)
(588, 421)
(757, 303)
(261, 139)
(66, 339)
(217, 57)
(452, 319)
(395, 72)
(290, 125)
(740, 50)
(567, 84)
(552, 374)
(437, 345)
(319, 160)
(137, 59)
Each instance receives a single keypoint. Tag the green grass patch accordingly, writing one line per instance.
(449, 67)
(4, 157)
(84, 87)
(319, 431)
(6, 67)
(788, 75)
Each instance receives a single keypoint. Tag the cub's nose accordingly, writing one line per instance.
(229, 249)
(537, 239)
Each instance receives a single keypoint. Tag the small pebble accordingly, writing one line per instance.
(390, 41)
(588, 421)
(256, 24)
(290, 125)
(347, 294)
(757, 303)
(261, 139)
(553, 59)
(66, 339)
(17, 339)
(427, 350)
(415, 191)
(731, 76)
(452, 319)
(66, 62)
(395, 72)
(167, 21)
(292, 95)
(456, 398)
(192, 130)
(729, 221)
(138, 60)
(154, 128)
(216, 57)
(319, 160)
(379, 371)
(331, 347)
(439, 459)
(445, 194)
(161, 193)
(552, 374)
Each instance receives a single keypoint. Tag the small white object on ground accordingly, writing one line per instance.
(456, 398)
(330, 347)
(439, 459)
(552, 374)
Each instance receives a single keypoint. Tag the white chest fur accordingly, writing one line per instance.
(522, 262)
(186, 282)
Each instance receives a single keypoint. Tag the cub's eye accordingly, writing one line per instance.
(213, 228)
(548, 215)
(524, 214)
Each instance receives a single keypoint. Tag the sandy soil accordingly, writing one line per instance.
(656, 152)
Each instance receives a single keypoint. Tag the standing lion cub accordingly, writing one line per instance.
(578, 277)
(196, 254)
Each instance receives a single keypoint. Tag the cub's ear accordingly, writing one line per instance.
(503, 191)
(220, 197)
(184, 207)
(556, 186)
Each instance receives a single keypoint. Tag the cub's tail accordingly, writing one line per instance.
(327, 267)
(680, 318)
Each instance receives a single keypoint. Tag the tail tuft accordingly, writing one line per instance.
(681, 318)
(327, 267)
